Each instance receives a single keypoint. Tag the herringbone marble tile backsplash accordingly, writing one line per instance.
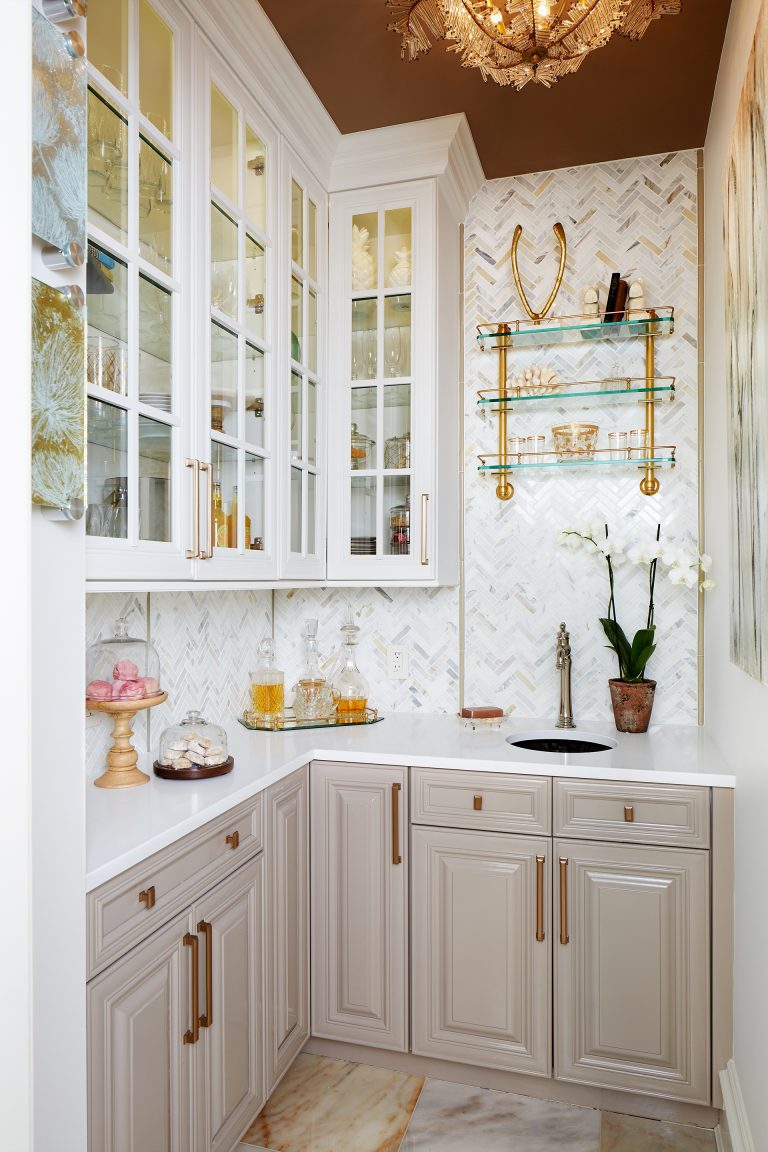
(635, 216)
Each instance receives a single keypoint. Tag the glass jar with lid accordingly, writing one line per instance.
(361, 449)
(400, 529)
(122, 668)
(397, 451)
(193, 747)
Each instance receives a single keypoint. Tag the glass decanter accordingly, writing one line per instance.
(312, 699)
(267, 689)
(350, 688)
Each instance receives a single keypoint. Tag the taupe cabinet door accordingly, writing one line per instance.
(230, 1079)
(480, 976)
(359, 908)
(632, 981)
(287, 951)
(139, 1074)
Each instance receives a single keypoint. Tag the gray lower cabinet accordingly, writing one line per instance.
(481, 948)
(287, 942)
(359, 819)
(632, 978)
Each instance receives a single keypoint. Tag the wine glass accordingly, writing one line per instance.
(392, 351)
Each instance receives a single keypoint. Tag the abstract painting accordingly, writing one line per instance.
(59, 136)
(746, 307)
(58, 398)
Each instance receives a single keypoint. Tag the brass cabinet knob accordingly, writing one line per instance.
(478, 803)
(233, 839)
(147, 897)
(629, 813)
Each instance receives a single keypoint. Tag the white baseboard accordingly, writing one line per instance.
(735, 1112)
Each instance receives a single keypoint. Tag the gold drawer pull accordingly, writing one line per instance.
(147, 897)
(540, 898)
(629, 813)
(478, 803)
(396, 857)
(564, 937)
(234, 839)
(192, 1035)
(206, 1019)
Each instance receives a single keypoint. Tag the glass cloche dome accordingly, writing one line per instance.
(194, 743)
(122, 668)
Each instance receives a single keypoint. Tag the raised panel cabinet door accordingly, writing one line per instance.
(230, 1076)
(359, 904)
(287, 943)
(481, 948)
(138, 1065)
(632, 972)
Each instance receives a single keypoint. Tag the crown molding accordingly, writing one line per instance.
(441, 148)
(247, 40)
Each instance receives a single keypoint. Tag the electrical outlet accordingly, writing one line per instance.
(397, 661)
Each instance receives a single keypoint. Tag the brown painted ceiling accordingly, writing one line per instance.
(628, 99)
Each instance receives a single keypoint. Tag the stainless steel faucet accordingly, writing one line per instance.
(563, 663)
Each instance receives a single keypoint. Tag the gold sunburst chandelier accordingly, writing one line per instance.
(514, 41)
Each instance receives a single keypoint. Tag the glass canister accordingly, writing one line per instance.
(361, 449)
(312, 698)
(349, 686)
(267, 688)
(193, 743)
(397, 451)
(122, 668)
(400, 529)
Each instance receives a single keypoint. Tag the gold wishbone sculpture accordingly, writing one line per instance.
(559, 232)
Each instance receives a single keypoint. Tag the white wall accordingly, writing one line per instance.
(735, 704)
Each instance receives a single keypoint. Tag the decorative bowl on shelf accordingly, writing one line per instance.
(575, 441)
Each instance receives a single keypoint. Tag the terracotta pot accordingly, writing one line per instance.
(632, 704)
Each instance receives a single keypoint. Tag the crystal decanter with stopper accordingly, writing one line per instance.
(267, 689)
(350, 688)
(312, 699)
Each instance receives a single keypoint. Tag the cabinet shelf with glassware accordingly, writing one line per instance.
(393, 441)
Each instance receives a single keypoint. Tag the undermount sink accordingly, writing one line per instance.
(561, 740)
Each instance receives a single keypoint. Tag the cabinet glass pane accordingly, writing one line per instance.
(254, 396)
(397, 336)
(155, 450)
(155, 215)
(311, 503)
(107, 470)
(297, 224)
(397, 426)
(255, 179)
(311, 422)
(223, 145)
(155, 69)
(365, 251)
(223, 380)
(254, 503)
(223, 262)
(108, 40)
(397, 516)
(155, 346)
(363, 431)
(397, 248)
(296, 416)
(312, 331)
(312, 239)
(255, 270)
(364, 339)
(363, 515)
(224, 464)
(107, 167)
(297, 318)
(295, 510)
(107, 297)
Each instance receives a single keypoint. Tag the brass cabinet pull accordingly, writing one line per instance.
(233, 839)
(207, 552)
(396, 857)
(191, 1036)
(147, 897)
(206, 1019)
(424, 508)
(477, 803)
(194, 552)
(564, 938)
(629, 813)
(540, 898)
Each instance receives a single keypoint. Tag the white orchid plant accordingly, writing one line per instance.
(684, 566)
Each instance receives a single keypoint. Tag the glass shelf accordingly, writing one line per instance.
(557, 329)
(664, 457)
(619, 389)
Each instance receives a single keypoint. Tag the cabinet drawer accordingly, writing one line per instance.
(493, 802)
(118, 916)
(636, 813)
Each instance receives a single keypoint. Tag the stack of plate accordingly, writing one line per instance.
(363, 545)
(159, 400)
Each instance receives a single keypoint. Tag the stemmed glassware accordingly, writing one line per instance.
(393, 348)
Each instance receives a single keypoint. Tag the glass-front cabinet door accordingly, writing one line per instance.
(137, 518)
(383, 367)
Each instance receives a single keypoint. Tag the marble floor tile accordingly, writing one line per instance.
(458, 1118)
(334, 1106)
(632, 1134)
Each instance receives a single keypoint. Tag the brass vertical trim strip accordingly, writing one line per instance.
(396, 857)
(192, 1035)
(540, 898)
(564, 937)
(206, 1019)
(701, 418)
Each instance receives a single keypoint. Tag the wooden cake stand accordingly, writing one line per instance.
(122, 758)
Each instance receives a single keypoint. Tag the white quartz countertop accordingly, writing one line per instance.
(125, 827)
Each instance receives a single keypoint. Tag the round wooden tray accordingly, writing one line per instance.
(197, 773)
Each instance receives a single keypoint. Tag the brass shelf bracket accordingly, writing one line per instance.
(504, 490)
(559, 232)
(649, 485)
